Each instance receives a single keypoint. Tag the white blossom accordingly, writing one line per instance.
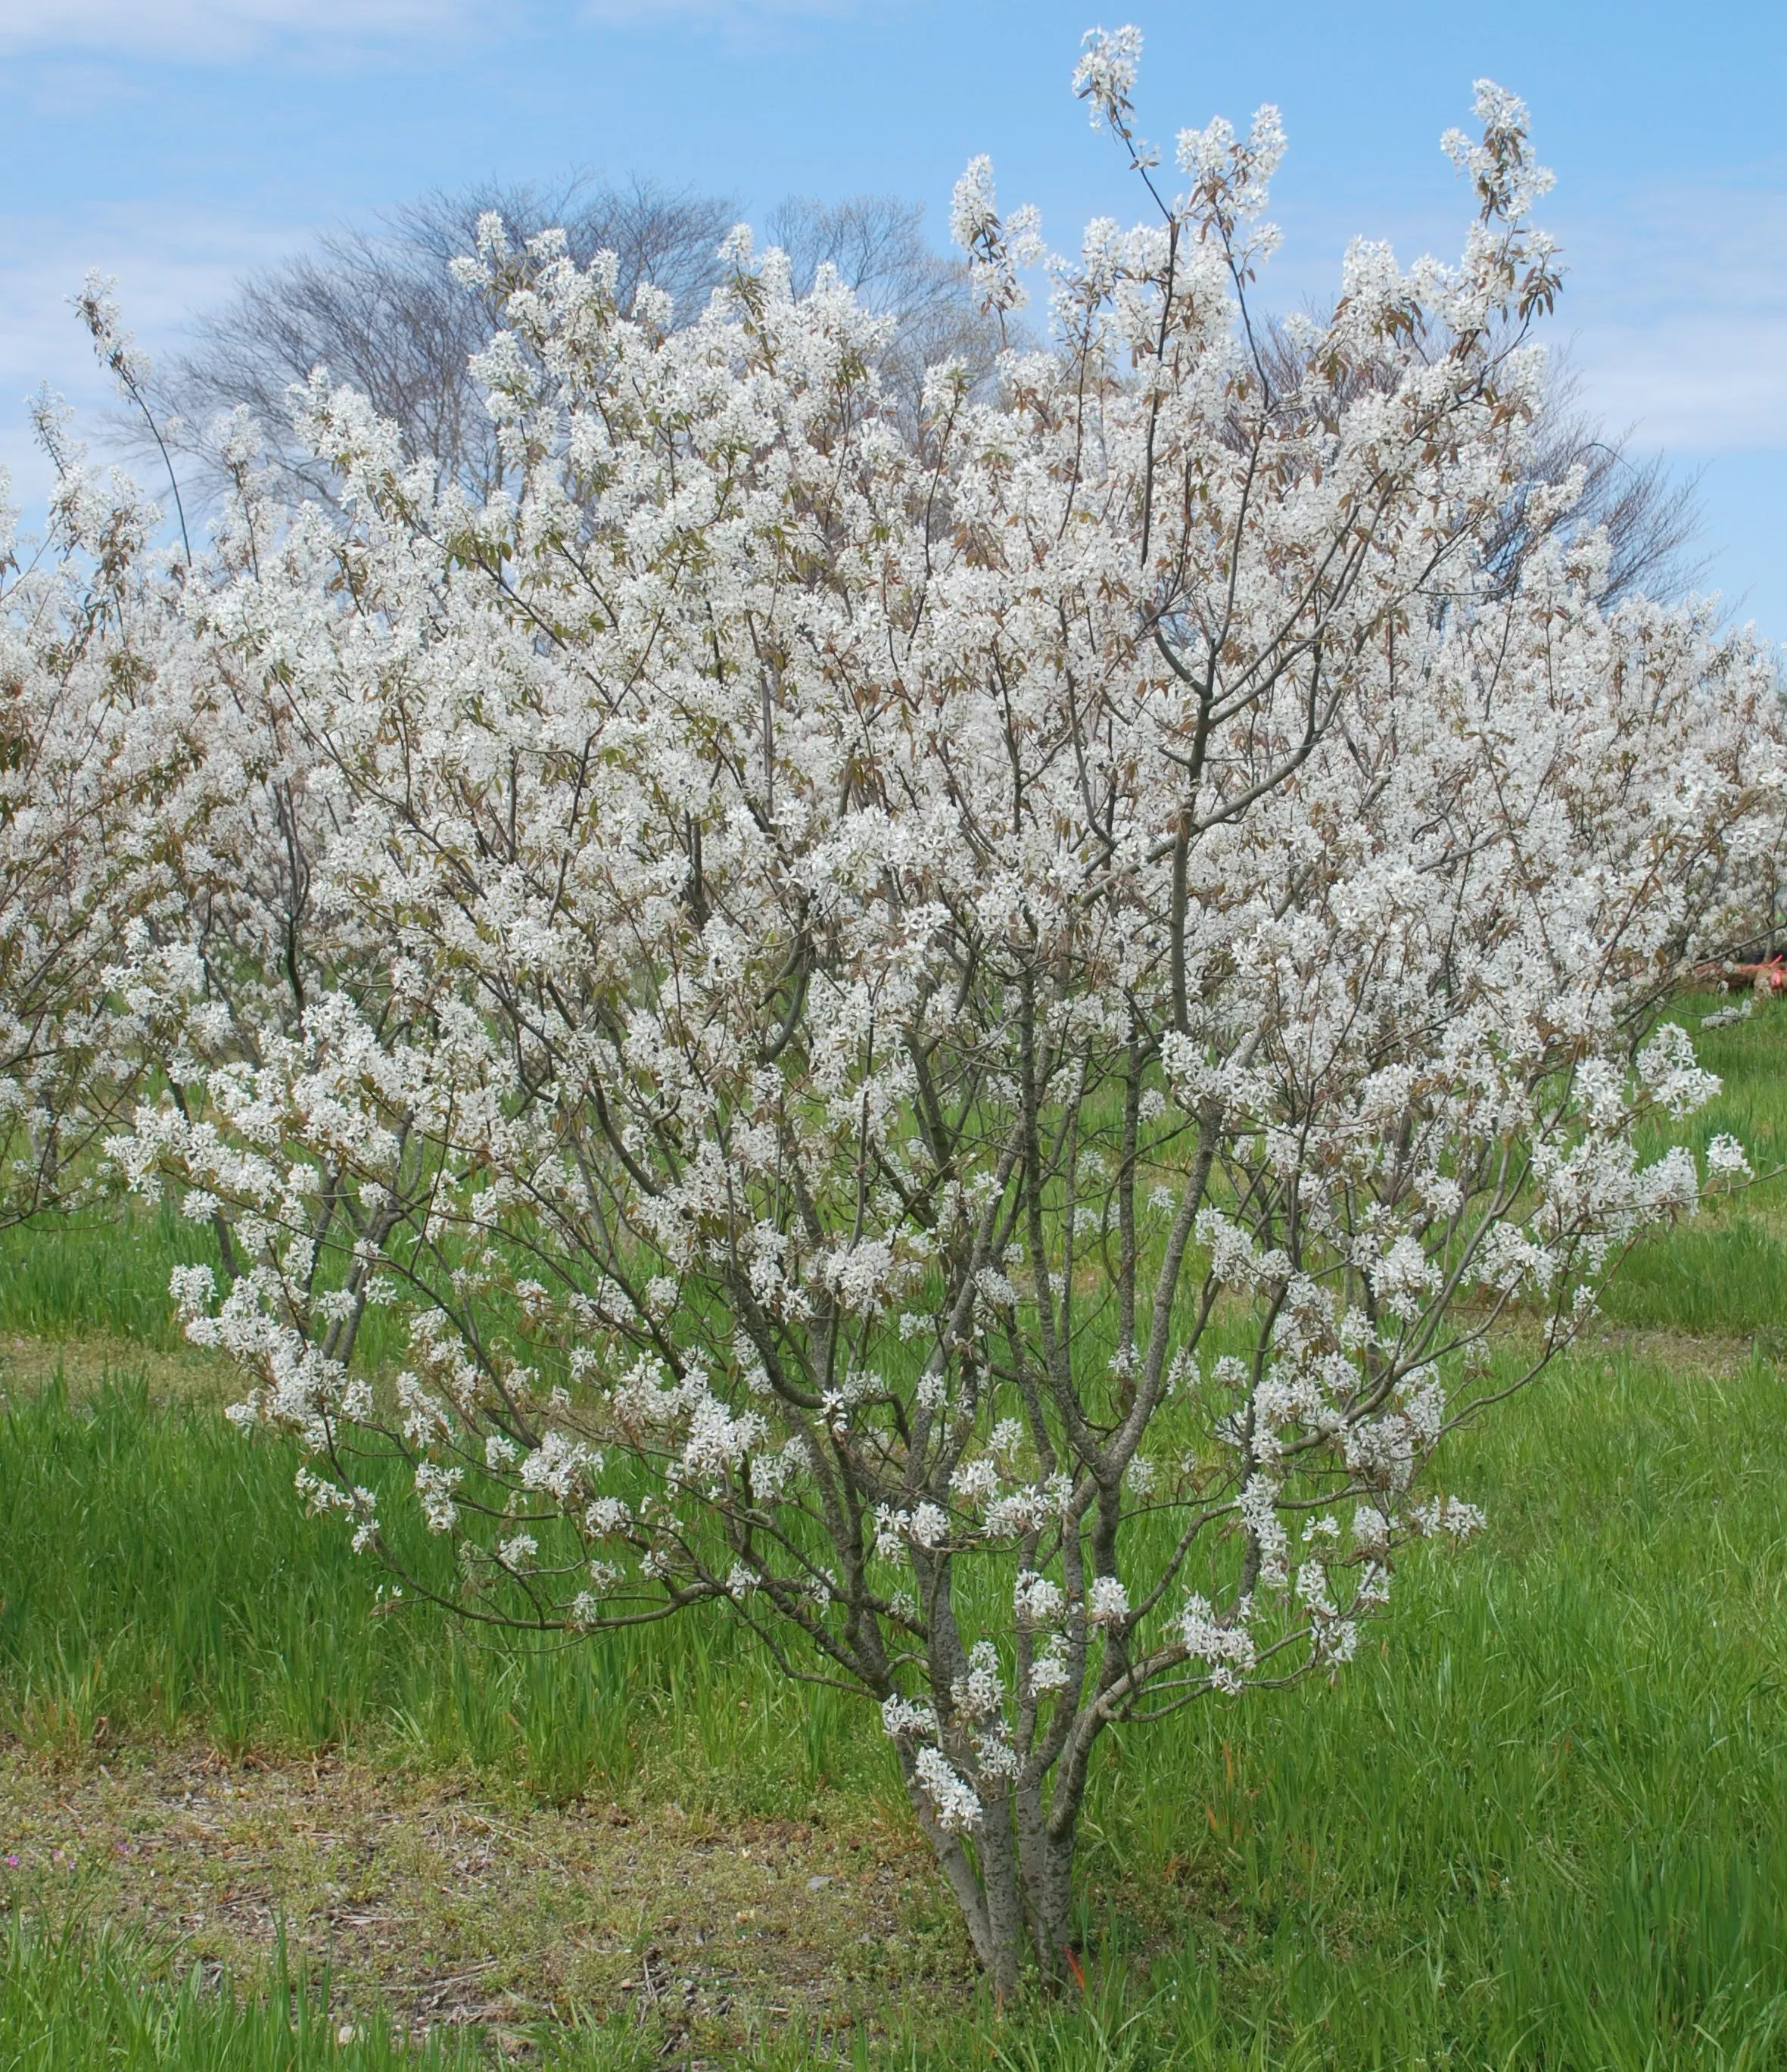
(1107, 1601)
(952, 1799)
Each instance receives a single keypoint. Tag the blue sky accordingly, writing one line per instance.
(179, 143)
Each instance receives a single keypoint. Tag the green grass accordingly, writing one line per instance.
(1546, 1825)
(1541, 1823)
(160, 1577)
(89, 1277)
(1726, 1273)
(73, 1999)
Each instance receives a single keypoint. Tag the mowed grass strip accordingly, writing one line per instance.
(1542, 1822)
(442, 1903)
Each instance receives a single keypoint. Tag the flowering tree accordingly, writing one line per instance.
(955, 1039)
(156, 832)
(85, 618)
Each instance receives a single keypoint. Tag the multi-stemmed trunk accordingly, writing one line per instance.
(1012, 1879)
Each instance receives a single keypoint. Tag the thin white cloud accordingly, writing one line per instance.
(170, 265)
(1694, 385)
(223, 31)
(218, 30)
(1679, 304)
(718, 13)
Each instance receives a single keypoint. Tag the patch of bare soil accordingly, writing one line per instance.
(85, 1364)
(1693, 1357)
(451, 1905)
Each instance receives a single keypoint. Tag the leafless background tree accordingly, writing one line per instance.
(1652, 521)
(379, 310)
(876, 243)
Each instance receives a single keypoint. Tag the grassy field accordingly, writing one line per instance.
(253, 1817)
